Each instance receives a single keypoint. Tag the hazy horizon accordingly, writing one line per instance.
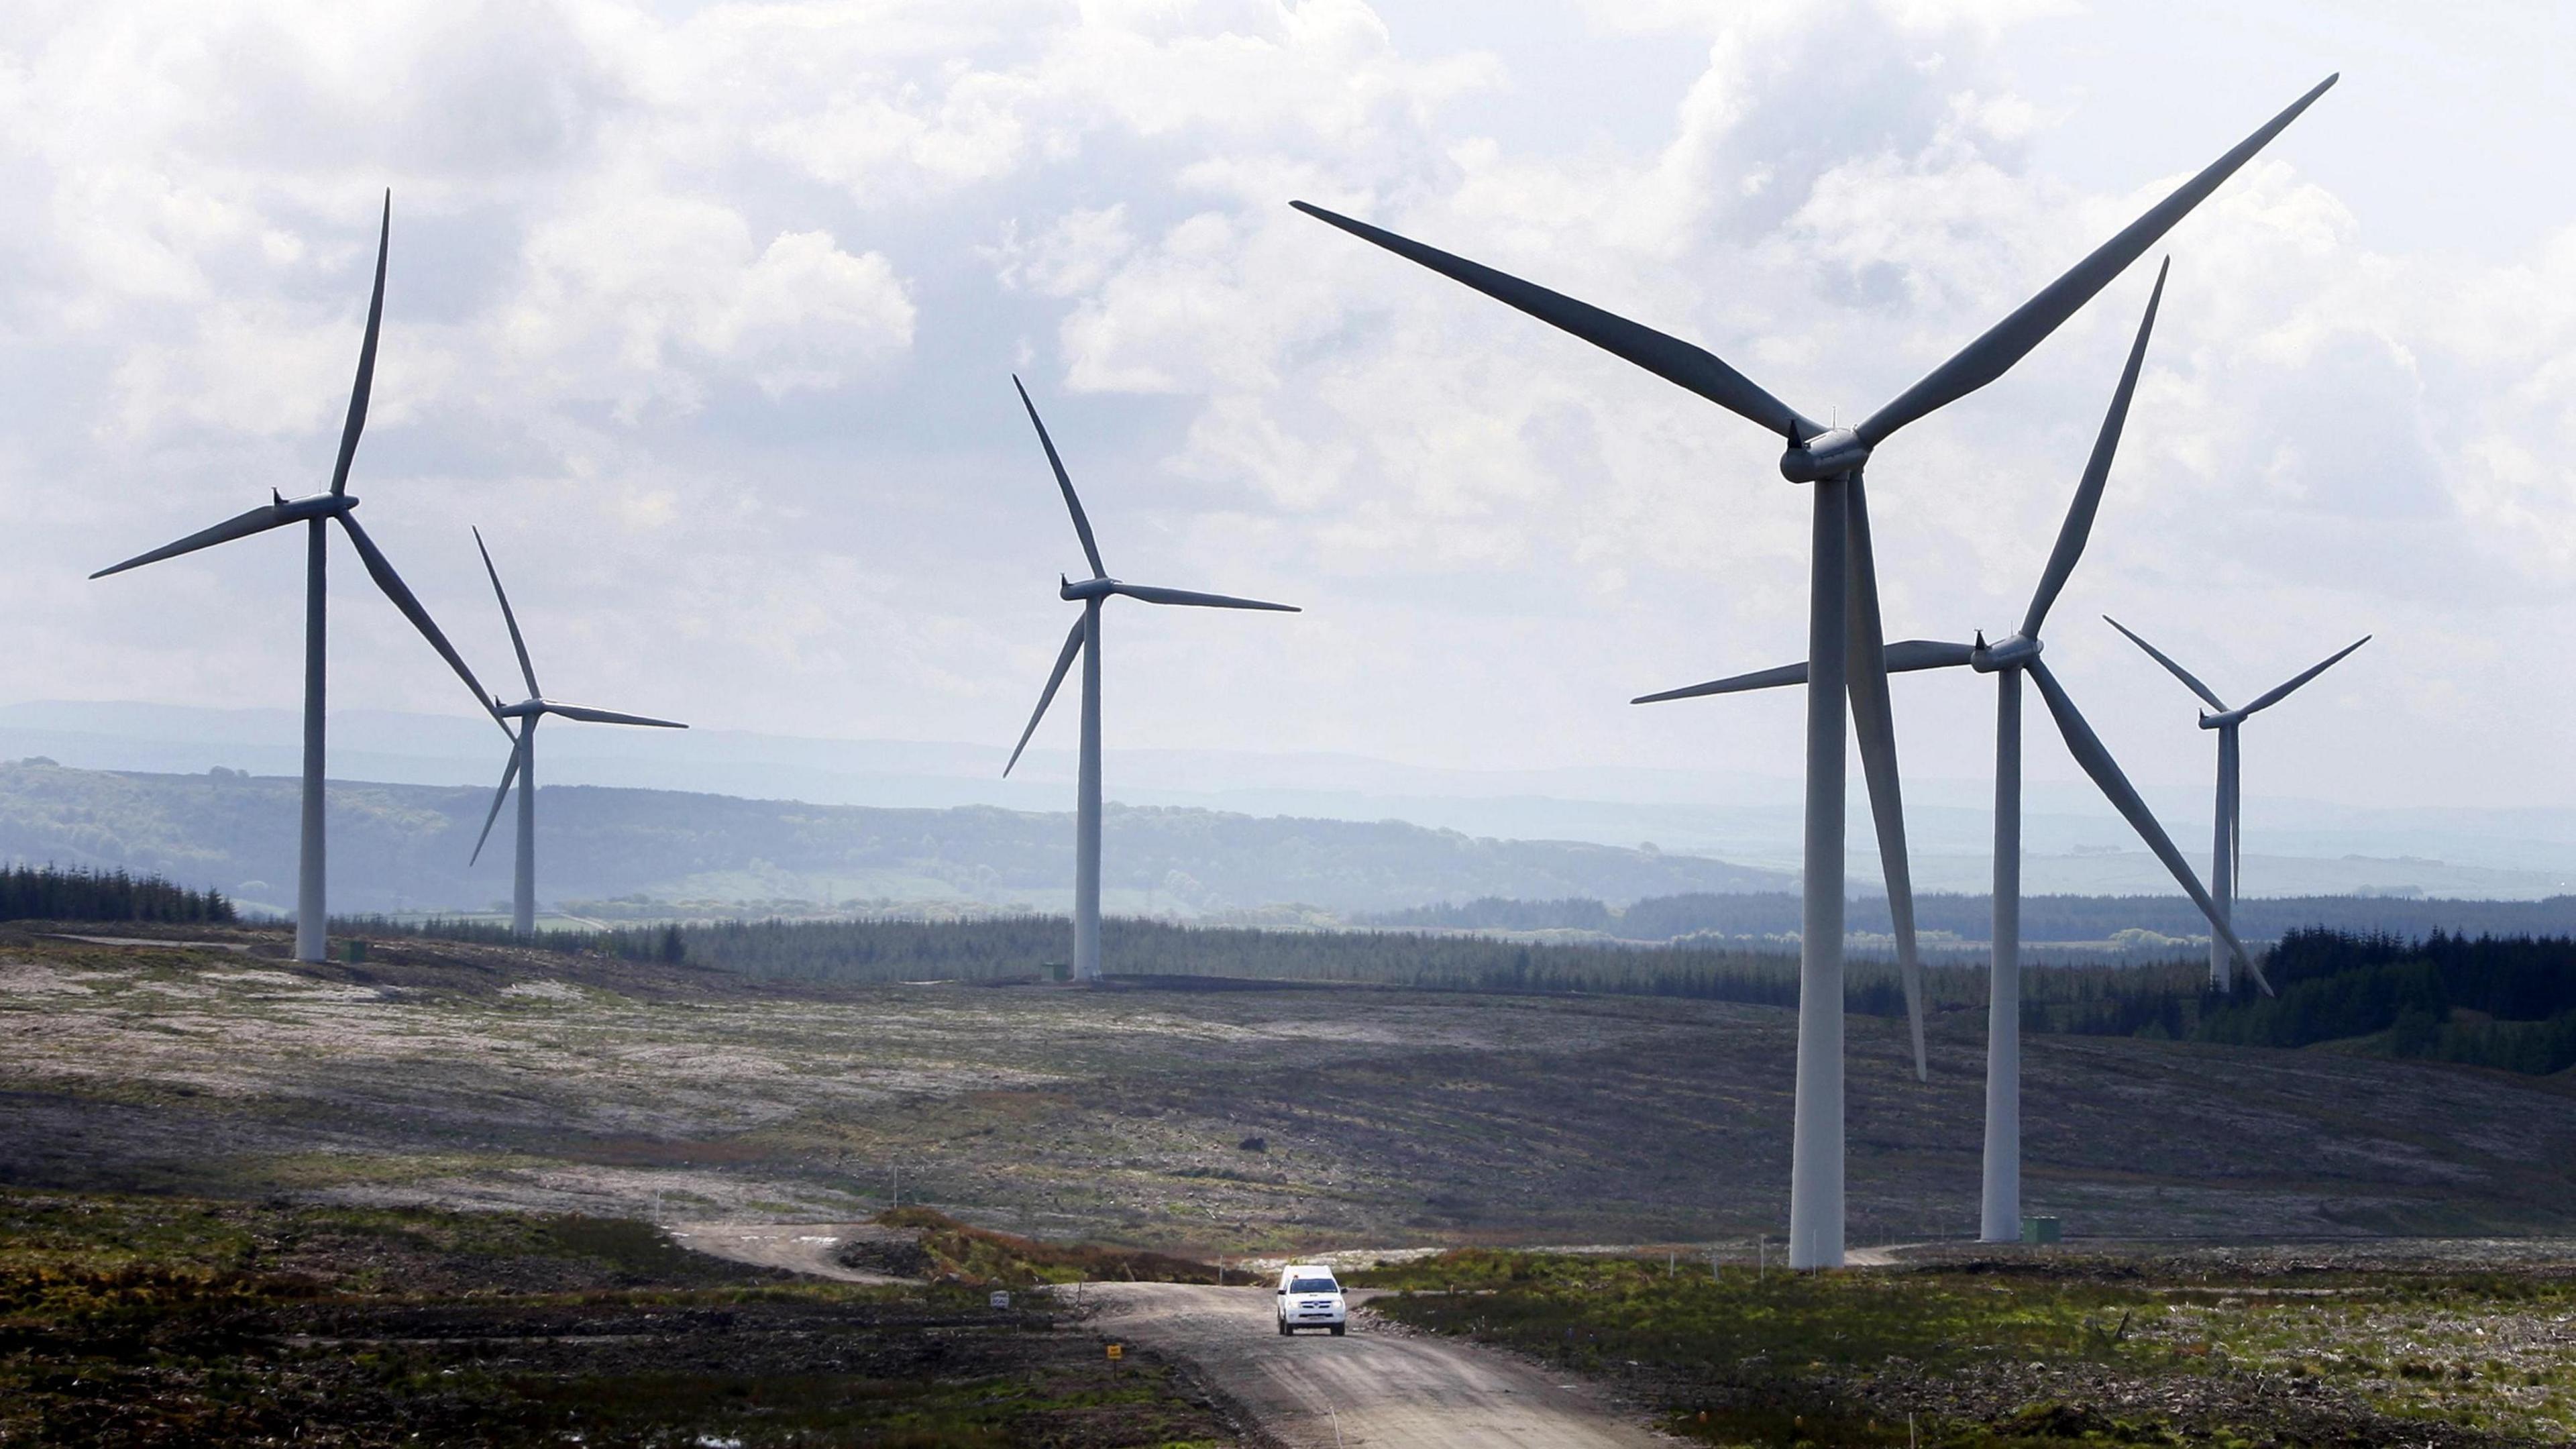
(2294, 847)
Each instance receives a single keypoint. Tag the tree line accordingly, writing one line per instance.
(2498, 1001)
(1758, 914)
(46, 893)
(1027, 947)
(2501, 1001)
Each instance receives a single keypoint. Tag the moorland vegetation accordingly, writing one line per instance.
(1973, 1350)
(175, 1320)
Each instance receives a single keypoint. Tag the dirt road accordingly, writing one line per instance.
(1374, 1387)
(1371, 1387)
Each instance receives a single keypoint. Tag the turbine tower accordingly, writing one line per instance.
(316, 513)
(523, 758)
(2225, 851)
(1842, 619)
(1091, 593)
(1999, 1218)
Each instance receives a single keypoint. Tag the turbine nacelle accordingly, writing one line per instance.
(318, 505)
(1829, 454)
(1086, 590)
(2210, 721)
(524, 709)
(2013, 653)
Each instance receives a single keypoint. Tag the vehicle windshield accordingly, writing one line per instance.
(1314, 1285)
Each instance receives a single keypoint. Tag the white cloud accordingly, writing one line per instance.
(725, 295)
(1074, 256)
(631, 295)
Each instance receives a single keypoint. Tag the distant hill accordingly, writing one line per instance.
(2073, 843)
(404, 847)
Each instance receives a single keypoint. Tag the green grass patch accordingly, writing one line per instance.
(2021, 1352)
(1584, 1309)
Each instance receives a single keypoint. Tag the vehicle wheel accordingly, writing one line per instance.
(1337, 1330)
(1284, 1330)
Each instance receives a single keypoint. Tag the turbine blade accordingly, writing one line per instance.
(1903, 656)
(2179, 672)
(507, 775)
(2281, 692)
(2078, 527)
(395, 589)
(2008, 341)
(1063, 662)
(1081, 525)
(2089, 752)
(1874, 725)
(366, 383)
(1907, 655)
(527, 671)
(1669, 358)
(1736, 684)
(607, 716)
(1152, 595)
(240, 525)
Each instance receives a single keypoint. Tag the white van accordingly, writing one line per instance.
(1309, 1297)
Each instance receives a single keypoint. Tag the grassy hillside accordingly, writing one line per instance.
(1177, 1118)
(399, 847)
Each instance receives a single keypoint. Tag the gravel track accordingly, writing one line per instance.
(1377, 1386)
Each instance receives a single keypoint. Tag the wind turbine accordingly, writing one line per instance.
(316, 512)
(1091, 593)
(2225, 856)
(1842, 619)
(523, 758)
(2008, 661)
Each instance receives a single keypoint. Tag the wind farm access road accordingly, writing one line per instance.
(1376, 1386)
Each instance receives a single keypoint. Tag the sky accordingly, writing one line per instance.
(707, 316)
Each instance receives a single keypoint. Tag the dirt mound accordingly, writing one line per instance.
(950, 1251)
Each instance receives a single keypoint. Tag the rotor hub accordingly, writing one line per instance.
(1829, 454)
(2012, 653)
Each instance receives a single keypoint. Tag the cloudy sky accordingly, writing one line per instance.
(707, 316)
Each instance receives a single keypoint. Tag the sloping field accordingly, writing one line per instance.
(1223, 1121)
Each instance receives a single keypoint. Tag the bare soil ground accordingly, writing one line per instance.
(821, 1250)
(1234, 1122)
